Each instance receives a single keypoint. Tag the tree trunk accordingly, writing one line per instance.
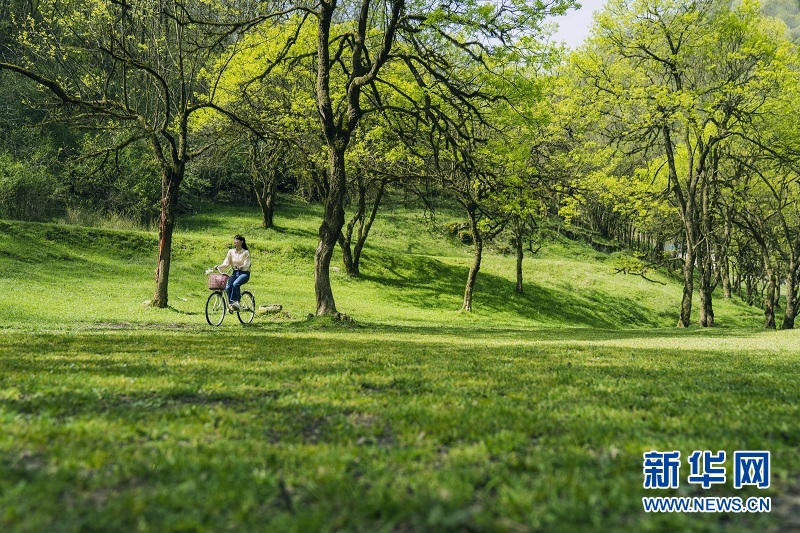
(346, 238)
(476, 262)
(769, 299)
(351, 255)
(170, 183)
(690, 224)
(322, 280)
(725, 272)
(329, 232)
(706, 301)
(706, 272)
(689, 257)
(776, 298)
(266, 201)
(688, 286)
(263, 173)
(791, 296)
(347, 256)
(705, 254)
(365, 227)
(520, 253)
(724, 263)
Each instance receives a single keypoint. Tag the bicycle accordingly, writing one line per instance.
(217, 304)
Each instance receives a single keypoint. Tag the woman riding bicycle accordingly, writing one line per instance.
(238, 258)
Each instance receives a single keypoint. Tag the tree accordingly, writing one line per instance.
(766, 190)
(354, 42)
(448, 132)
(676, 81)
(765, 198)
(269, 80)
(139, 67)
(530, 144)
(376, 162)
(421, 36)
(755, 214)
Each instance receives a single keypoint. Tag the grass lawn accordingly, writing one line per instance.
(531, 414)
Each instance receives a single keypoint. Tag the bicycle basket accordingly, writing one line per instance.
(217, 281)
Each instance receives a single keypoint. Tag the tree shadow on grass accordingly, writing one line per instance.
(88, 385)
(419, 280)
(566, 414)
(219, 218)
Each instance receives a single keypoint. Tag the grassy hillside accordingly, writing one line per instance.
(413, 275)
(531, 414)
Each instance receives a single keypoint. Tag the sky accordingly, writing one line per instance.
(574, 26)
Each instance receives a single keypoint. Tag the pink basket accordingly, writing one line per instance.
(217, 281)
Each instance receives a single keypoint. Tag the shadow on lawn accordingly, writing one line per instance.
(302, 389)
(135, 415)
(219, 219)
(420, 280)
(550, 334)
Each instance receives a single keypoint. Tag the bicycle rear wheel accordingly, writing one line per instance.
(215, 308)
(247, 308)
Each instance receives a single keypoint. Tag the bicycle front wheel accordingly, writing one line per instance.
(247, 308)
(215, 308)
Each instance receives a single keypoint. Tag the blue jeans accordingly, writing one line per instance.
(233, 288)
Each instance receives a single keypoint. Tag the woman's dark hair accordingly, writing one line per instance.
(244, 242)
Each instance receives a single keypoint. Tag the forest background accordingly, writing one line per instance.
(669, 133)
(419, 158)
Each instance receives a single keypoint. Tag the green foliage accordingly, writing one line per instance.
(123, 182)
(787, 11)
(26, 190)
(220, 175)
(684, 95)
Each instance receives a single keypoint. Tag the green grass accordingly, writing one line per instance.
(531, 414)
(412, 276)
